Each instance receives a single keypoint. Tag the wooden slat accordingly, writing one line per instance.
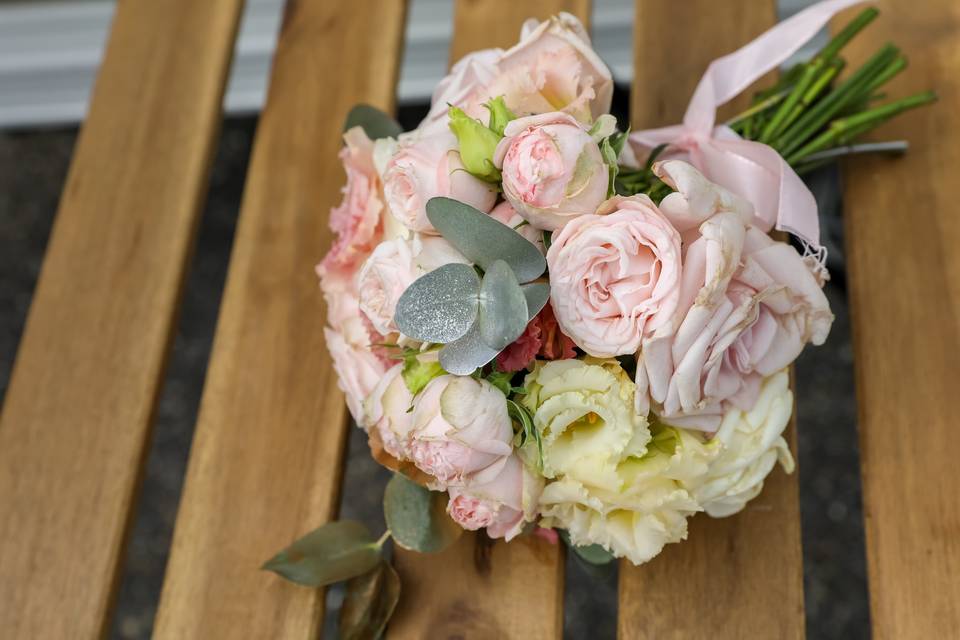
(267, 454)
(78, 410)
(473, 590)
(744, 574)
(902, 234)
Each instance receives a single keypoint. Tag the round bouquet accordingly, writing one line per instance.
(548, 324)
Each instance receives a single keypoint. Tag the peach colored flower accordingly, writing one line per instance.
(552, 169)
(747, 306)
(461, 431)
(427, 166)
(615, 276)
(501, 505)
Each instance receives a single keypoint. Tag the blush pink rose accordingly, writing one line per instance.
(501, 505)
(358, 369)
(384, 277)
(552, 68)
(505, 213)
(461, 431)
(615, 276)
(428, 166)
(748, 305)
(552, 169)
(357, 221)
(387, 409)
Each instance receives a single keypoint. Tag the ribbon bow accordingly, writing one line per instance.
(750, 169)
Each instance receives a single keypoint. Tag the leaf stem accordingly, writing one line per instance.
(386, 536)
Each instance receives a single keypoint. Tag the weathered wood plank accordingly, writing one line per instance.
(79, 407)
(473, 590)
(267, 455)
(902, 234)
(744, 573)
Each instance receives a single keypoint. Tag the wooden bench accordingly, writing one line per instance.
(267, 456)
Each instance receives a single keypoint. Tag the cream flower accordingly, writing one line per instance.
(750, 443)
(583, 410)
(649, 507)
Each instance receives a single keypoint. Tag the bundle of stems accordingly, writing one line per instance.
(809, 116)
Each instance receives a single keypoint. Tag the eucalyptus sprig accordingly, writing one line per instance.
(474, 311)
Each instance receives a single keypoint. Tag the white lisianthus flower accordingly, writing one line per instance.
(583, 410)
(751, 443)
(648, 509)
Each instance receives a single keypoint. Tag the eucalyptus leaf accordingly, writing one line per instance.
(484, 240)
(503, 307)
(537, 294)
(336, 551)
(440, 306)
(376, 124)
(417, 517)
(368, 604)
(464, 355)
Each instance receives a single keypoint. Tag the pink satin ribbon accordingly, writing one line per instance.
(752, 170)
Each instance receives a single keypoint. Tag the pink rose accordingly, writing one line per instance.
(385, 275)
(461, 430)
(358, 369)
(552, 169)
(502, 504)
(615, 276)
(552, 68)
(387, 409)
(425, 167)
(357, 220)
(747, 306)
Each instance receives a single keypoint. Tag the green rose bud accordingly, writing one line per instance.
(477, 144)
(500, 115)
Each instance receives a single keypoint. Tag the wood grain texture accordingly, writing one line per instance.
(77, 414)
(517, 592)
(742, 576)
(902, 235)
(267, 454)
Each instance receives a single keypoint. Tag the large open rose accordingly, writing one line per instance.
(615, 276)
(501, 505)
(747, 306)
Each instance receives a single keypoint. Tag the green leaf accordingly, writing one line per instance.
(610, 158)
(336, 551)
(477, 144)
(376, 124)
(593, 553)
(417, 517)
(503, 307)
(440, 306)
(465, 355)
(368, 604)
(528, 431)
(417, 373)
(500, 115)
(537, 294)
(483, 240)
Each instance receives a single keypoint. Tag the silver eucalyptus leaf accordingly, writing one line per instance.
(503, 307)
(537, 294)
(462, 357)
(376, 124)
(484, 240)
(440, 306)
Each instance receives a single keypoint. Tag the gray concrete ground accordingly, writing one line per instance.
(32, 169)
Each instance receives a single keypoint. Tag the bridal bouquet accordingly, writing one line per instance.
(549, 325)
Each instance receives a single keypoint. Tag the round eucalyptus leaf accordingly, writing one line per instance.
(462, 356)
(440, 306)
(503, 307)
(537, 294)
(376, 124)
(368, 603)
(484, 240)
(336, 551)
(417, 517)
